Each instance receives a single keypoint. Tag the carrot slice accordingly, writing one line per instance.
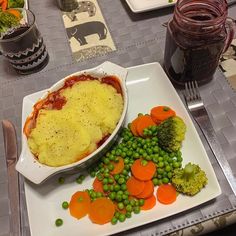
(4, 5)
(79, 204)
(101, 210)
(133, 126)
(161, 113)
(134, 186)
(14, 12)
(149, 203)
(147, 190)
(143, 123)
(143, 170)
(166, 194)
(98, 185)
(118, 166)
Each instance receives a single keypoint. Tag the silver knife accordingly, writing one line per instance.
(10, 144)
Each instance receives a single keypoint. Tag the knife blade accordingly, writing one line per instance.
(11, 154)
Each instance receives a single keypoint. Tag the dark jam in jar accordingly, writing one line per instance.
(196, 38)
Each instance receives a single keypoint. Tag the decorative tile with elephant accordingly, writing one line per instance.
(87, 31)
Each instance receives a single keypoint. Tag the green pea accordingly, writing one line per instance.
(155, 181)
(129, 208)
(112, 157)
(169, 175)
(65, 205)
(128, 214)
(141, 202)
(116, 177)
(119, 198)
(105, 181)
(59, 222)
(100, 177)
(144, 155)
(93, 195)
(161, 164)
(82, 177)
(168, 168)
(110, 180)
(79, 181)
(112, 195)
(129, 153)
(117, 187)
(121, 205)
(136, 210)
(144, 162)
(122, 217)
(123, 187)
(118, 152)
(176, 164)
(179, 158)
(165, 180)
(155, 159)
(99, 194)
(132, 202)
(149, 151)
(105, 187)
(61, 180)
(120, 192)
(106, 175)
(126, 202)
(121, 180)
(136, 155)
(111, 167)
(114, 220)
(117, 214)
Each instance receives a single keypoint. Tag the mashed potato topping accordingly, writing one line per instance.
(91, 112)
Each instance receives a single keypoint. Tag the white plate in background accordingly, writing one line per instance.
(137, 6)
(148, 86)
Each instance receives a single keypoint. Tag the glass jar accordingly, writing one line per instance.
(196, 37)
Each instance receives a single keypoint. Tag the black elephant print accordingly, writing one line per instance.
(82, 30)
(83, 6)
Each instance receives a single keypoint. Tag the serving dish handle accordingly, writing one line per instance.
(111, 68)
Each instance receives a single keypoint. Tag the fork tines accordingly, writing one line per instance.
(192, 91)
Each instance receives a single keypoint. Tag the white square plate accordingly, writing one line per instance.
(148, 5)
(148, 86)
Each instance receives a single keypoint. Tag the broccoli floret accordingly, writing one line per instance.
(7, 20)
(16, 3)
(171, 133)
(189, 180)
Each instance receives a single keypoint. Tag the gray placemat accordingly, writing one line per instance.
(139, 39)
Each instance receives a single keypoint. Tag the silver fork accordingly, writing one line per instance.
(199, 113)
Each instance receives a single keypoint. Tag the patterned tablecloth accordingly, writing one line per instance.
(138, 38)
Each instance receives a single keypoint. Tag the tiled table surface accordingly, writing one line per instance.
(139, 39)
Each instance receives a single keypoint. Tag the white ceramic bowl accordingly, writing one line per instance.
(36, 172)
